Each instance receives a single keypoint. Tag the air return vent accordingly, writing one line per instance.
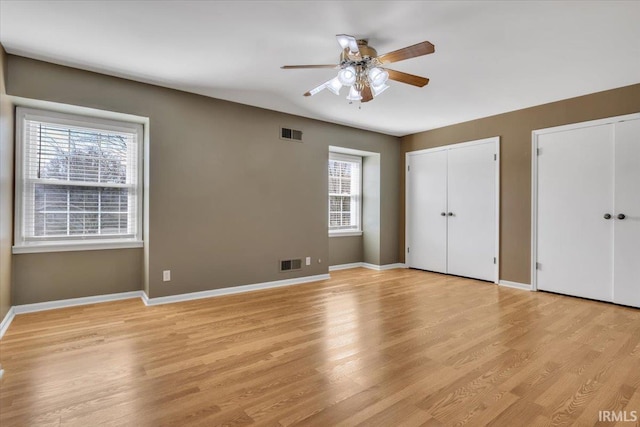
(290, 264)
(290, 134)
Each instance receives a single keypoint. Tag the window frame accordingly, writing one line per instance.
(80, 242)
(336, 156)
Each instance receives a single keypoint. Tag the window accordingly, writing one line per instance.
(344, 193)
(77, 182)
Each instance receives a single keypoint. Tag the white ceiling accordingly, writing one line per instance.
(491, 57)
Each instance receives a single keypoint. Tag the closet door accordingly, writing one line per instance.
(427, 196)
(626, 271)
(472, 211)
(575, 193)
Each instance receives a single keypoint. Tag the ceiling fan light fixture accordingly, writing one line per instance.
(364, 72)
(378, 76)
(347, 76)
(349, 42)
(334, 85)
(377, 90)
(354, 94)
(316, 89)
(343, 41)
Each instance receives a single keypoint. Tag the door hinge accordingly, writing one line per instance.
(409, 168)
(495, 157)
(538, 151)
(408, 251)
(538, 266)
(494, 260)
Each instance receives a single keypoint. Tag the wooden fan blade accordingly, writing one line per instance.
(294, 67)
(366, 94)
(419, 49)
(407, 78)
(316, 89)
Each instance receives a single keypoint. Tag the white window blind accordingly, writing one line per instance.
(344, 192)
(78, 178)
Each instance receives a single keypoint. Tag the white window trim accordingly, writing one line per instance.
(345, 233)
(82, 243)
(349, 232)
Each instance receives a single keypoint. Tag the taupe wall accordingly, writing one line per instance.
(6, 189)
(371, 185)
(515, 129)
(227, 197)
(345, 250)
(63, 275)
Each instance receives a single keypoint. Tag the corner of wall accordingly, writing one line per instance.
(145, 210)
(6, 188)
(371, 205)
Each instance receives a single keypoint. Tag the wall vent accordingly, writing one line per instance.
(290, 134)
(290, 264)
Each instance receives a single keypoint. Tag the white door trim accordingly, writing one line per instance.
(534, 177)
(495, 140)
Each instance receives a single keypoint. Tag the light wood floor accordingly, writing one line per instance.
(400, 347)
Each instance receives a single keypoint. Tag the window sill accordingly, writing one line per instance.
(345, 233)
(92, 245)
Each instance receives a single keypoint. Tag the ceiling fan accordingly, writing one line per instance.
(363, 71)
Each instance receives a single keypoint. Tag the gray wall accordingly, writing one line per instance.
(6, 189)
(227, 197)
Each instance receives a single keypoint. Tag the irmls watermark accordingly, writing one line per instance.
(618, 416)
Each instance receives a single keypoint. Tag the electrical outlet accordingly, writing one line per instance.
(166, 276)
(308, 260)
(319, 260)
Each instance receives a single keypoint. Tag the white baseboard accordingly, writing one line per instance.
(49, 305)
(8, 318)
(367, 265)
(383, 267)
(514, 285)
(345, 266)
(232, 290)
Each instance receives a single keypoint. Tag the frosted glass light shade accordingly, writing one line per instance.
(377, 90)
(317, 89)
(378, 76)
(334, 85)
(354, 94)
(346, 41)
(347, 76)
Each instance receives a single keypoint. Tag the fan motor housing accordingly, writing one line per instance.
(366, 50)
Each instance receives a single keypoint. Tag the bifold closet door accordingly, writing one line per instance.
(427, 193)
(472, 211)
(575, 217)
(626, 273)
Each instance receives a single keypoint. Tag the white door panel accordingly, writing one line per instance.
(626, 288)
(575, 190)
(472, 203)
(427, 199)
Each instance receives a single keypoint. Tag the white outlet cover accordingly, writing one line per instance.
(308, 261)
(166, 275)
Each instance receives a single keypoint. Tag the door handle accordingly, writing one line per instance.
(621, 216)
(450, 214)
(442, 214)
(607, 216)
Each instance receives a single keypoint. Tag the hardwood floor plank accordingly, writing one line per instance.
(397, 347)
